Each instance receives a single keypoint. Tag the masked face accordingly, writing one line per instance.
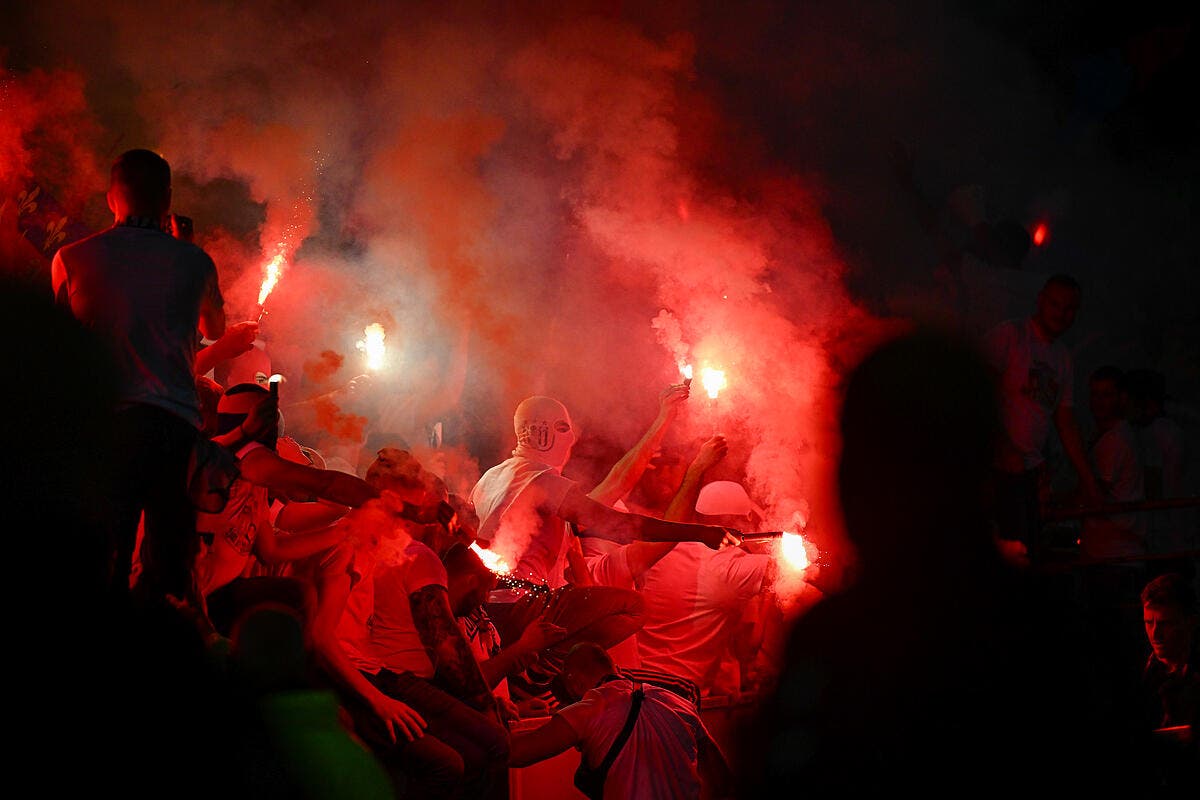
(544, 431)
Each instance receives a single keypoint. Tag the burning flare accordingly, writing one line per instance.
(685, 370)
(273, 270)
(372, 346)
(794, 550)
(713, 381)
(492, 561)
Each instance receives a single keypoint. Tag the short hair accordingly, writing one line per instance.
(461, 561)
(1109, 373)
(1170, 590)
(588, 656)
(394, 469)
(1064, 280)
(145, 177)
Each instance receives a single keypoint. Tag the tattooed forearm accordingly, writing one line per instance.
(453, 662)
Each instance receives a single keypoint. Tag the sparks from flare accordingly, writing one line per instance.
(372, 346)
(493, 561)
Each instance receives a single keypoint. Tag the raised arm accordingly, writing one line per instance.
(683, 505)
(628, 471)
(238, 339)
(212, 306)
(641, 556)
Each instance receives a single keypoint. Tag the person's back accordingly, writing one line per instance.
(148, 296)
(660, 758)
(694, 598)
(141, 289)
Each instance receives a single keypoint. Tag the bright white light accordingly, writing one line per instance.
(372, 346)
(492, 561)
(713, 381)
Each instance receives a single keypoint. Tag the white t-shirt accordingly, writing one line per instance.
(610, 567)
(515, 502)
(1036, 379)
(233, 531)
(694, 599)
(141, 290)
(353, 629)
(1115, 461)
(660, 758)
(394, 638)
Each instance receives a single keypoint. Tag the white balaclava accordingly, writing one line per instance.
(544, 431)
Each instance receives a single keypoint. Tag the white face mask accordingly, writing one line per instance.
(544, 431)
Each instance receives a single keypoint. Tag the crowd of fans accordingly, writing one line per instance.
(229, 615)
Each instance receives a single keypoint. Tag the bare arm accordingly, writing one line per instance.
(453, 661)
(238, 339)
(641, 556)
(58, 281)
(332, 592)
(272, 549)
(267, 468)
(1068, 431)
(300, 517)
(538, 635)
(600, 520)
(212, 308)
(683, 504)
(555, 737)
(628, 471)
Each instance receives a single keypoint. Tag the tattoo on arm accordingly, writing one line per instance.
(452, 659)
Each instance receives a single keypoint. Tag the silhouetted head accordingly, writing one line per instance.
(139, 185)
(1107, 397)
(919, 424)
(1147, 390)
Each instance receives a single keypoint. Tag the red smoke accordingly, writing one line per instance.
(331, 420)
(324, 367)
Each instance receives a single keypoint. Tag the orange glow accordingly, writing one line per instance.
(713, 381)
(273, 269)
(372, 346)
(493, 561)
(1040, 234)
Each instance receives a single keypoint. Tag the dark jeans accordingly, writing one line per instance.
(154, 447)
(1017, 512)
(463, 742)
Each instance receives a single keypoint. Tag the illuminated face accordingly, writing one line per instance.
(1056, 309)
(1170, 633)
